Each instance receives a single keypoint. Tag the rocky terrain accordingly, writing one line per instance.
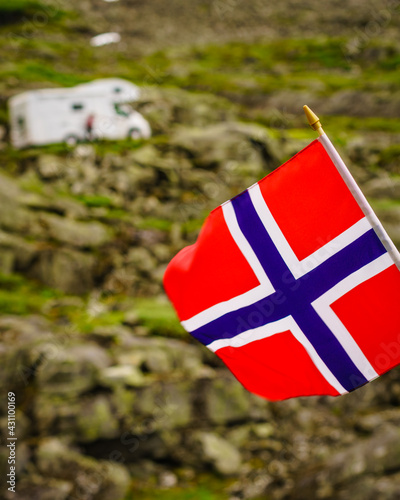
(114, 400)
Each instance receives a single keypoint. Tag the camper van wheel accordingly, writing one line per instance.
(134, 133)
(71, 140)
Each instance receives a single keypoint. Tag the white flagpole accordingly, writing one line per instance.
(315, 124)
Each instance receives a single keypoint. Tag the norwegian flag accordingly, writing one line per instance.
(294, 283)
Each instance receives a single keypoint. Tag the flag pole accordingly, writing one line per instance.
(313, 120)
(315, 124)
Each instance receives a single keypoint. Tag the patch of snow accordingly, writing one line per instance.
(105, 39)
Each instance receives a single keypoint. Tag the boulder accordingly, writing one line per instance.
(95, 479)
(371, 488)
(377, 455)
(65, 269)
(213, 146)
(383, 186)
(36, 487)
(160, 355)
(164, 107)
(75, 233)
(20, 355)
(166, 405)
(17, 253)
(122, 375)
(135, 176)
(71, 370)
(225, 400)
(7, 262)
(56, 414)
(16, 219)
(141, 259)
(51, 167)
(116, 335)
(96, 420)
(9, 187)
(217, 452)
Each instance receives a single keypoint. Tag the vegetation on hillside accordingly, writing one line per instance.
(264, 81)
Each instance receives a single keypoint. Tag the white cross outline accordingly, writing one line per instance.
(298, 269)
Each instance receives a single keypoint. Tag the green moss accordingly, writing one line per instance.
(261, 57)
(300, 133)
(350, 123)
(154, 223)
(195, 493)
(117, 147)
(95, 200)
(159, 317)
(31, 182)
(390, 156)
(384, 203)
(32, 71)
(193, 225)
(21, 296)
(15, 9)
(207, 487)
(234, 69)
(87, 323)
(119, 215)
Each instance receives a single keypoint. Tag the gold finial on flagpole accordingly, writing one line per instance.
(313, 120)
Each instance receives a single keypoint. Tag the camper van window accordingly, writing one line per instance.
(77, 107)
(122, 109)
(21, 122)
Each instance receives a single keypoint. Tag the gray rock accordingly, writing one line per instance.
(35, 487)
(218, 452)
(164, 107)
(375, 456)
(127, 375)
(146, 156)
(64, 206)
(7, 262)
(116, 335)
(383, 187)
(213, 146)
(65, 269)
(51, 166)
(84, 152)
(141, 259)
(225, 400)
(18, 253)
(370, 422)
(75, 233)
(9, 187)
(133, 179)
(16, 219)
(99, 480)
(165, 405)
(160, 355)
(19, 354)
(371, 488)
(96, 420)
(56, 414)
(71, 370)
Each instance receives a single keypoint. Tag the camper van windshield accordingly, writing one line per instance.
(123, 109)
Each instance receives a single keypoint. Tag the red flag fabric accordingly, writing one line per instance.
(294, 283)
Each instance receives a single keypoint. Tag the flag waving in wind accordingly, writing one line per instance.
(294, 283)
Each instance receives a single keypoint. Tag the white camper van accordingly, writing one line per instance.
(98, 109)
